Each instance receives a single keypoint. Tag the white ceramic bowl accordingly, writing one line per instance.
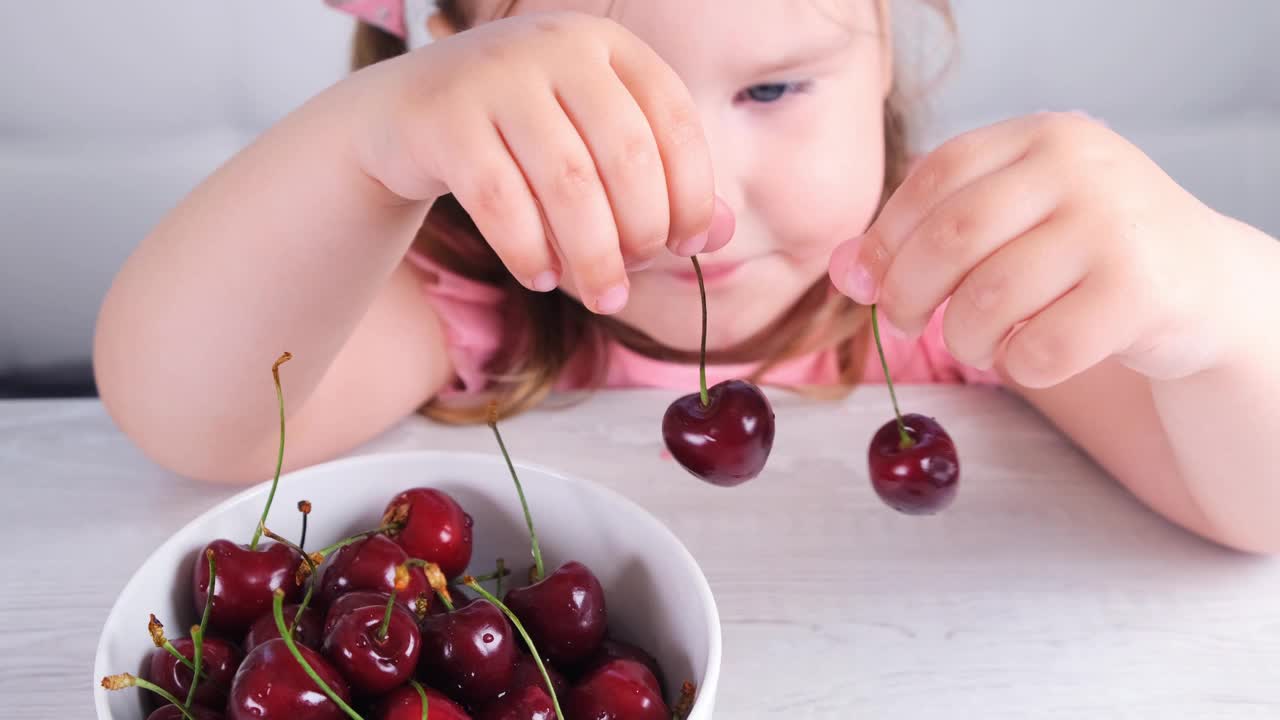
(656, 595)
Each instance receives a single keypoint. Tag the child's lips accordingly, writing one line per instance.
(712, 273)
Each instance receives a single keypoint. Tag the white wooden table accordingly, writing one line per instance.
(1045, 592)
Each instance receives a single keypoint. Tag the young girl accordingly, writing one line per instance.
(510, 210)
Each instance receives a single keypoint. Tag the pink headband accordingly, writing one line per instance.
(406, 19)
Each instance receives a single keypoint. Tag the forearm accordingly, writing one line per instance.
(283, 248)
(1223, 423)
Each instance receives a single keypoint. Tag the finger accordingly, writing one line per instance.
(496, 196)
(1015, 283)
(960, 233)
(682, 143)
(625, 152)
(956, 164)
(563, 177)
(1078, 331)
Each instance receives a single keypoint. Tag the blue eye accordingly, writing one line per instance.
(769, 92)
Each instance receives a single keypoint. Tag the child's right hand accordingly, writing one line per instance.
(575, 149)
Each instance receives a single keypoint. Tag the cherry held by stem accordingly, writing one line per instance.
(724, 434)
(247, 574)
(912, 461)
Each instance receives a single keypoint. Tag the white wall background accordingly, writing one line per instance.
(110, 112)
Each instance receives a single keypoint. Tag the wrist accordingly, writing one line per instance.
(386, 146)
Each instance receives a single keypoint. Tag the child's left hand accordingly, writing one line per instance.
(1054, 221)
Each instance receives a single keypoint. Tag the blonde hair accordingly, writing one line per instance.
(544, 332)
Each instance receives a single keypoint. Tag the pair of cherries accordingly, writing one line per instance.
(724, 435)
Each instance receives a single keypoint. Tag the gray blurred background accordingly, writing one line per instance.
(111, 112)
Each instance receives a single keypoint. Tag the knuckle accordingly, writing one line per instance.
(636, 153)
(1038, 357)
(985, 291)
(947, 234)
(684, 127)
(489, 193)
(574, 179)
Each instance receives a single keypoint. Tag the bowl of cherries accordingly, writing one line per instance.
(414, 585)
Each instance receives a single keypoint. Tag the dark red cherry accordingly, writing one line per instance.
(433, 528)
(469, 653)
(272, 684)
(617, 690)
(369, 564)
(246, 580)
(171, 712)
(219, 664)
(564, 613)
(725, 442)
(920, 479)
(404, 703)
(354, 601)
(612, 649)
(307, 632)
(530, 702)
(372, 664)
(526, 673)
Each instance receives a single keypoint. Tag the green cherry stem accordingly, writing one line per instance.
(537, 657)
(528, 519)
(197, 635)
(702, 354)
(277, 611)
(422, 694)
(125, 680)
(502, 571)
(156, 628)
(275, 481)
(358, 537)
(311, 564)
(402, 583)
(904, 440)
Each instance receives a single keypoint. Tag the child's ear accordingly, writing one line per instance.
(886, 49)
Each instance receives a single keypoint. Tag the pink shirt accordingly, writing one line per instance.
(469, 313)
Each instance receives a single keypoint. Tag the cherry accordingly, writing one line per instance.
(620, 689)
(526, 673)
(564, 611)
(405, 703)
(246, 579)
(248, 575)
(470, 652)
(272, 684)
(529, 702)
(376, 648)
(722, 435)
(921, 478)
(433, 527)
(612, 649)
(354, 601)
(912, 461)
(369, 564)
(281, 679)
(307, 631)
(221, 659)
(173, 712)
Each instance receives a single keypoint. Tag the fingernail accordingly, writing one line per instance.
(692, 246)
(612, 300)
(860, 285)
(639, 265)
(546, 282)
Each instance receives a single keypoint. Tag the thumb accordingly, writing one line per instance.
(848, 275)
